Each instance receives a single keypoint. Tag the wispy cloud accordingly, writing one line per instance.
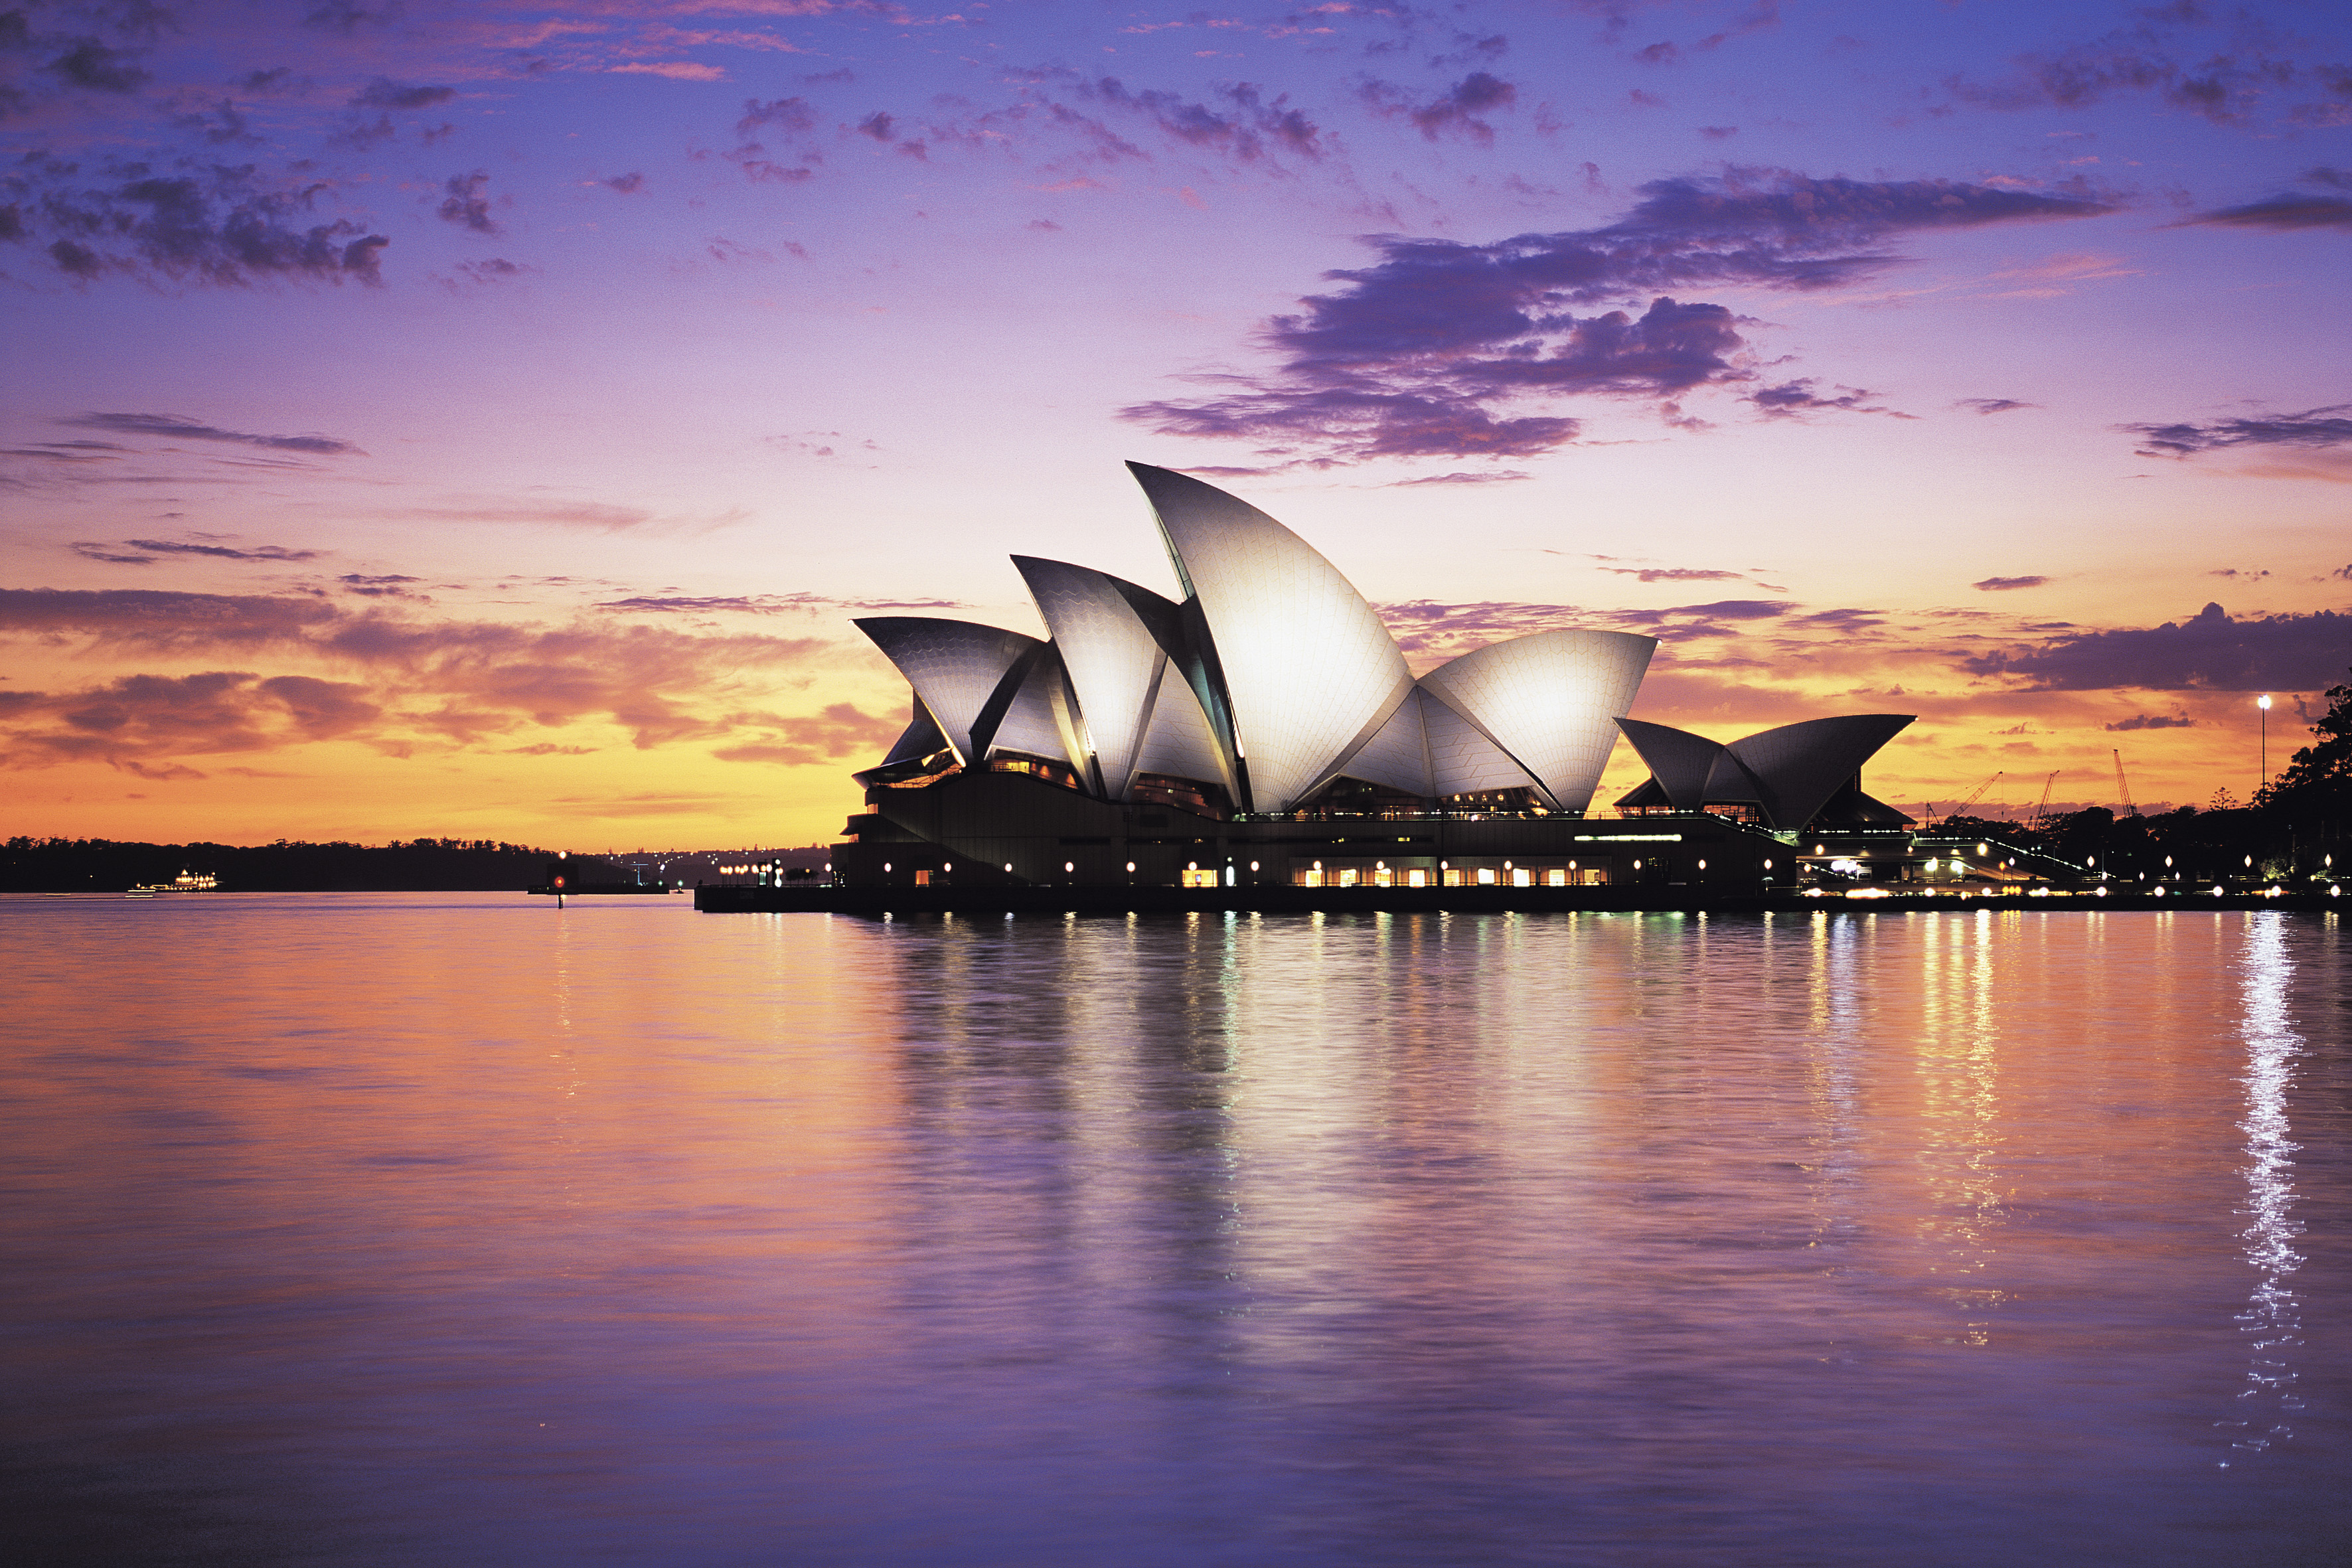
(176, 427)
(2007, 584)
(2329, 208)
(2313, 427)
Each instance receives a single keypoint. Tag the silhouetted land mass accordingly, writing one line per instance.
(419, 865)
(2296, 825)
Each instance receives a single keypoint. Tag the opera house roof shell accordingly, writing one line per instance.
(1272, 680)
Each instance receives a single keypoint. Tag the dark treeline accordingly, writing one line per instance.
(419, 865)
(2296, 827)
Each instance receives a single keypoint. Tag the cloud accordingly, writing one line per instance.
(1438, 347)
(2228, 80)
(1992, 404)
(626, 185)
(94, 67)
(466, 204)
(91, 550)
(1794, 399)
(1429, 630)
(222, 552)
(762, 603)
(2283, 213)
(2313, 427)
(841, 731)
(390, 586)
(155, 716)
(2153, 722)
(1674, 573)
(493, 270)
(2004, 585)
(1490, 477)
(417, 680)
(384, 93)
(220, 225)
(2208, 652)
(676, 70)
(1244, 125)
(345, 17)
(1458, 111)
(176, 427)
(573, 514)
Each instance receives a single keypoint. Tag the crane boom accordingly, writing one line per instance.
(2123, 789)
(1974, 795)
(2041, 806)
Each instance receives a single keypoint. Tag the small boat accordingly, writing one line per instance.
(186, 882)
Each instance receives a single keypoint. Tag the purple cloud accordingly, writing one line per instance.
(2005, 584)
(1992, 404)
(1458, 111)
(222, 552)
(172, 426)
(2326, 426)
(465, 204)
(381, 93)
(1246, 126)
(1426, 351)
(2208, 652)
(1794, 399)
(225, 227)
(1676, 573)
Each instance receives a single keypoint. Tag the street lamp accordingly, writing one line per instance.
(2263, 702)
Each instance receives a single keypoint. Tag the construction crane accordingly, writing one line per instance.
(1974, 795)
(2041, 806)
(2123, 789)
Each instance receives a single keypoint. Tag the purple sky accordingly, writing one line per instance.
(484, 420)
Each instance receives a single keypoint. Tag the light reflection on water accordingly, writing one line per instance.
(431, 1229)
(2273, 1320)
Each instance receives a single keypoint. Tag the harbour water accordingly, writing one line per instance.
(455, 1229)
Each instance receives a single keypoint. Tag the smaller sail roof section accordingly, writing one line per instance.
(955, 668)
(1801, 766)
(1307, 669)
(1111, 652)
(1039, 720)
(1678, 761)
(1550, 700)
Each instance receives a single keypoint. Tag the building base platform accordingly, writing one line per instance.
(1283, 899)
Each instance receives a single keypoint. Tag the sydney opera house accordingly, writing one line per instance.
(1266, 728)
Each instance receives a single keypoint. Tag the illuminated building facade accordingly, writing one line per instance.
(1265, 729)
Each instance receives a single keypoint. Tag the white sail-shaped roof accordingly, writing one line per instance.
(1551, 700)
(1113, 657)
(1397, 755)
(1177, 741)
(1801, 765)
(1307, 667)
(1038, 719)
(1464, 760)
(955, 667)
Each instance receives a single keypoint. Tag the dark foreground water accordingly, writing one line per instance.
(434, 1229)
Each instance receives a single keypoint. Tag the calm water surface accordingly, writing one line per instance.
(451, 1230)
